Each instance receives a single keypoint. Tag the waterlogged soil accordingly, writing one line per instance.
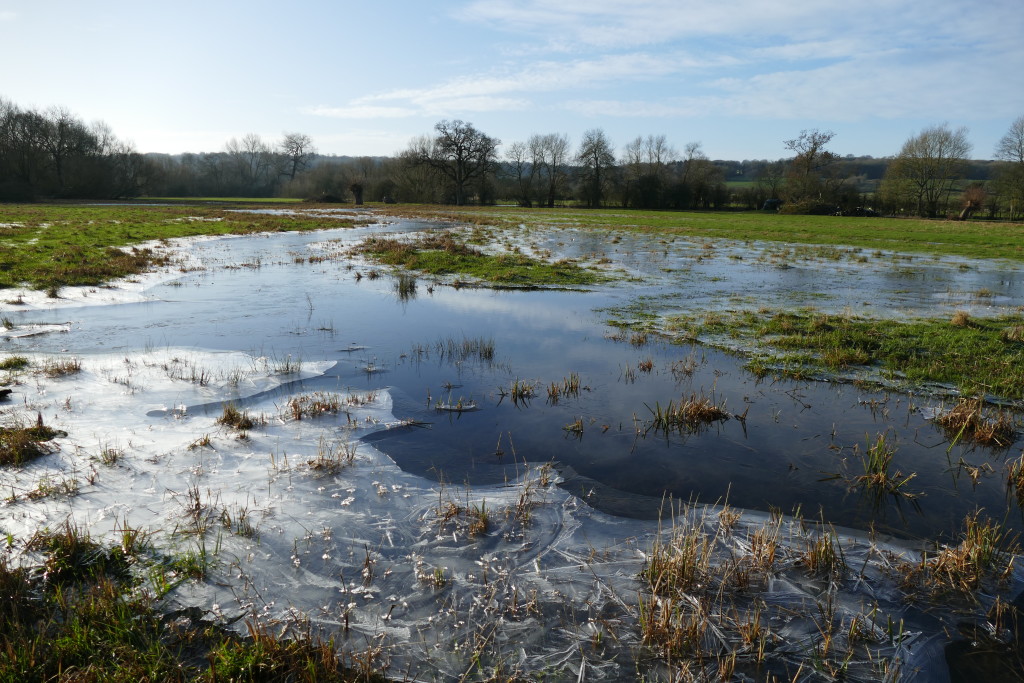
(430, 372)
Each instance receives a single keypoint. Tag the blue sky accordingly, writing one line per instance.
(739, 76)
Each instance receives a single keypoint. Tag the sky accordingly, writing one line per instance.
(364, 78)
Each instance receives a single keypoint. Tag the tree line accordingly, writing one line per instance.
(51, 153)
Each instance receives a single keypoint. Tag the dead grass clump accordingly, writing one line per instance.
(473, 520)
(961, 319)
(314, 405)
(967, 420)
(237, 419)
(824, 555)
(984, 550)
(1013, 334)
(61, 368)
(332, 458)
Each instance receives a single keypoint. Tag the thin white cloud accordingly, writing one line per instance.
(361, 111)
(645, 22)
(8, 15)
(513, 90)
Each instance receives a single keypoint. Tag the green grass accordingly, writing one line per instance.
(19, 445)
(85, 615)
(442, 254)
(974, 239)
(982, 357)
(48, 246)
(14, 363)
(225, 200)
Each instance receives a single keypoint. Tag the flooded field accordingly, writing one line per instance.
(463, 481)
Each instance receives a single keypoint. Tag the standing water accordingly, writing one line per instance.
(459, 477)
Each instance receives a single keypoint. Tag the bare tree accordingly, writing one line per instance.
(297, 150)
(523, 171)
(596, 157)
(1011, 146)
(927, 168)
(1009, 180)
(459, 152)
(550, 154)
(66, 137)
(253, 163)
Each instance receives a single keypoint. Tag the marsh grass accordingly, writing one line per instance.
(455, 350)
(521, 391)
(702, 612)
(968, 420)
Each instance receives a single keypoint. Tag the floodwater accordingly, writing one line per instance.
(260, 320)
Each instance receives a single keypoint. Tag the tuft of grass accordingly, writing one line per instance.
(1014, 333)
(985, 550)
(237, 419)
(19, 445)
(332, 457)
(14, 363)
(522, 391)
(73, 556)
(61, 368)
(877, 461)
(824, 555)
(689, 415)
(967, 420)
(314, 405)
(960, 319)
